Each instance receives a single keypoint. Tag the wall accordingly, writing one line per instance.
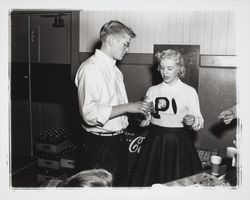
(213, 31)
(217, 91)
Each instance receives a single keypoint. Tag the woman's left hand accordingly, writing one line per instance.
(188, 120)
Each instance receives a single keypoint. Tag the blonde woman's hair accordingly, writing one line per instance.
(86, 178)
(171, 55)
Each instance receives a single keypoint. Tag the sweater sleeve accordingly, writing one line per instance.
(194, 108)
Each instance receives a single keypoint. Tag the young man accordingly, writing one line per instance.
(103, 104)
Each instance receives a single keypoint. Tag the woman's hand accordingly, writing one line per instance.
(189, 120)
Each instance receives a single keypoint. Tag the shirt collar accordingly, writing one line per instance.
(105, 58)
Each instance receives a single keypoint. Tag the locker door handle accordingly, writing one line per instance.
(32, 36)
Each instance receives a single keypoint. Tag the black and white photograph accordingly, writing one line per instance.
(131, 100)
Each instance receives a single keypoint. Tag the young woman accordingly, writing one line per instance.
(168, 152)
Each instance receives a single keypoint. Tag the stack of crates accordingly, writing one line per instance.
(51, 146)
(67, 160)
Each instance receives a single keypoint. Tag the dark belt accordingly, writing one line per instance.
(108, 134)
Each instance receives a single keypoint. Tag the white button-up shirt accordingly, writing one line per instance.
(100, 86)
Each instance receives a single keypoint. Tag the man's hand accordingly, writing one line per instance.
(139, 107)
(227, 116)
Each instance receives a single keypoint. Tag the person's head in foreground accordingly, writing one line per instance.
(86, 178)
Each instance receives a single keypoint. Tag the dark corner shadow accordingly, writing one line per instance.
(97, 45)
(134, 124)
(75, 118)
(156, 75)
(218, 129)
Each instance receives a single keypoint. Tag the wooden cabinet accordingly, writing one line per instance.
(41, 56)
(20, 38)
(40, 38)
(44, 49)
(49, 38)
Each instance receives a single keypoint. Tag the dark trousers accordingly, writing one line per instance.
(106, 152)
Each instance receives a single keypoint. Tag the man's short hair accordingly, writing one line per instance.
(115, 27)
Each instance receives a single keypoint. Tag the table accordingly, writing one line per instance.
(227, 178)
(200, 179)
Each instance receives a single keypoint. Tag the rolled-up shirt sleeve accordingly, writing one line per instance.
(93, 108)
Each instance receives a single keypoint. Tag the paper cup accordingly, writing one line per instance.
(215, 164)
(232, 153)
